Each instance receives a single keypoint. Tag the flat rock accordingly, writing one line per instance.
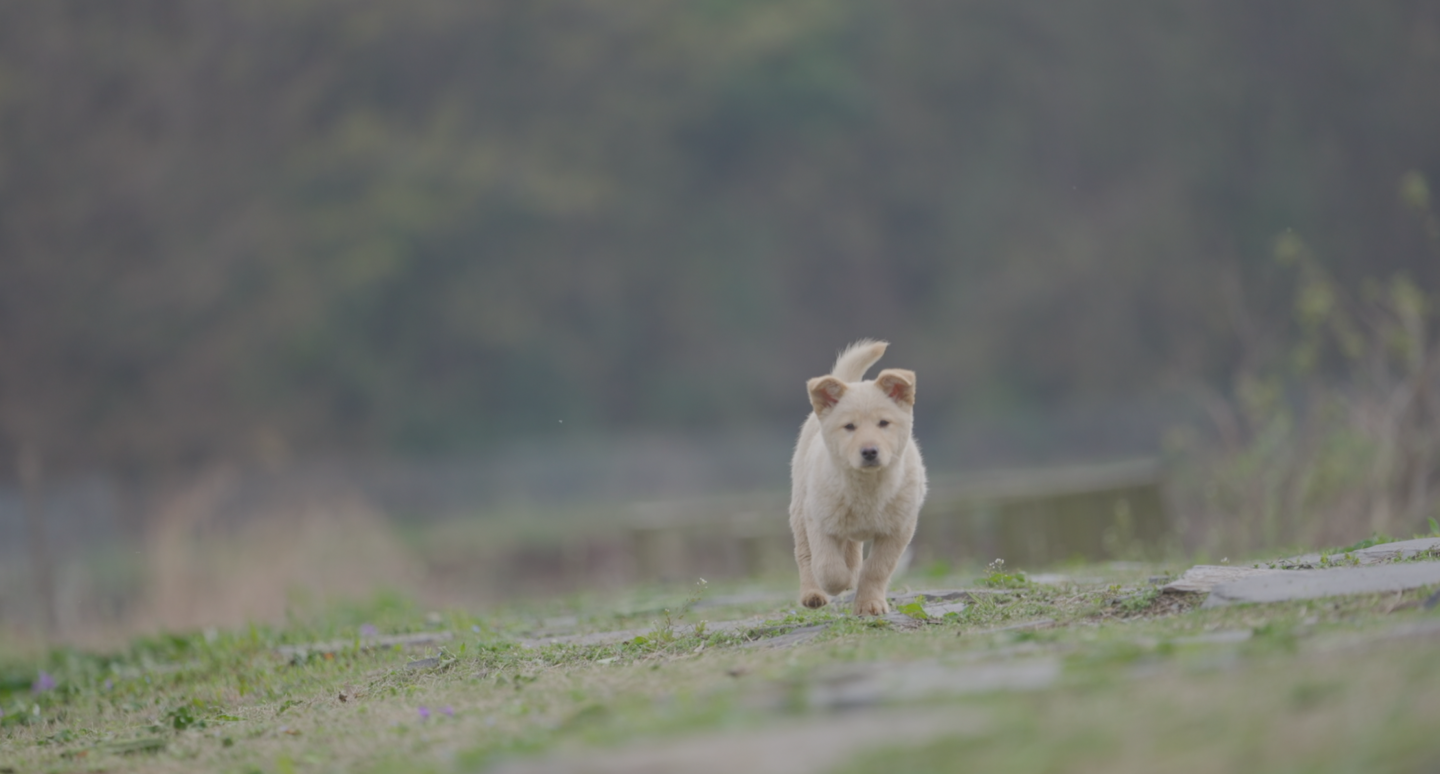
(1284, 585)
(933, 613)
(939, 611)
(1385, 552)
(785, 747)
(1202, 578)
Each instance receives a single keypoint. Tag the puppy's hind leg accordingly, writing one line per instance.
(811, 595)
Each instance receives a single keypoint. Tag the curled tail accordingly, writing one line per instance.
(857, 359)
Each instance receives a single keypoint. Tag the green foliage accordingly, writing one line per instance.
(996, 577)
(1333, 428)
(915, 609)
(184, 716)
(1374, 540)
(1139, 602)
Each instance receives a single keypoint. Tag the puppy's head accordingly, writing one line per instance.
(865, 424)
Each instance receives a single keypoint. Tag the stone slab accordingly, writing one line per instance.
(1385, 552)
(1201, 578)
(1285, 585)
(939, 611)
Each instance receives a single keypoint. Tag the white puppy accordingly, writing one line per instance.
(856, 476)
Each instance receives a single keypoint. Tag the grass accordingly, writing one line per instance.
(1135, 694)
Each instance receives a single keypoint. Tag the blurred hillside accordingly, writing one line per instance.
(251, 230)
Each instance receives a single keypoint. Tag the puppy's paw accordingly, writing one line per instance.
(814, 599)
(871, 606)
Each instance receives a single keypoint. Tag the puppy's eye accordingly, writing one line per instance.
(884, 423)
(850, 426)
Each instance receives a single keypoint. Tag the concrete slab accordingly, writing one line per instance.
(1201, 578)
(1285, 585)
(1385, 552)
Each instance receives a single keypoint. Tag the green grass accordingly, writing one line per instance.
(1135, 695)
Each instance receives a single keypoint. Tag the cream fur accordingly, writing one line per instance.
(840, 495)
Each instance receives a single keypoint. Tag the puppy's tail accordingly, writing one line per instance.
(857, 359)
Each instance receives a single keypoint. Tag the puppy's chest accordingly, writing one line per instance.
(856, 518)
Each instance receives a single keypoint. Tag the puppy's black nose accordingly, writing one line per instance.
(869, 454)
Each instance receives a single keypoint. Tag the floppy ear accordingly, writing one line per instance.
(825, 392)
(898, 384)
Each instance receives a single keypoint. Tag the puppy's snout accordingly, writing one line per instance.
(870, 454)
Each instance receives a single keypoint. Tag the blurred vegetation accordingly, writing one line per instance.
(241, 229)
(1332, 427)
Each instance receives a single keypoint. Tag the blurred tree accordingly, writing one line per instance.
(230, 229)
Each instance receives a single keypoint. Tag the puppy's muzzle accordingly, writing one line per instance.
(869, 457)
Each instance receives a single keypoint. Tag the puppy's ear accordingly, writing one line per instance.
(825, 392)
(899, 384)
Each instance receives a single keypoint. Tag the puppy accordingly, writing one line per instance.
(856, 476)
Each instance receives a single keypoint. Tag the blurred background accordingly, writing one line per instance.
(303, 298)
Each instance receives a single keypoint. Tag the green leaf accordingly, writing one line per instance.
(915, 609)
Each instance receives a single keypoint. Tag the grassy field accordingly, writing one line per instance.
(1104, 673)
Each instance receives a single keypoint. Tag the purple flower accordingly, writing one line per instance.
(43, 683)
(448, 710)
(424, 713)
(109, 685)
(368, 630)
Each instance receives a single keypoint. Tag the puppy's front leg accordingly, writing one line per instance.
(830, 562)
(875, 574)
(854, 555)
